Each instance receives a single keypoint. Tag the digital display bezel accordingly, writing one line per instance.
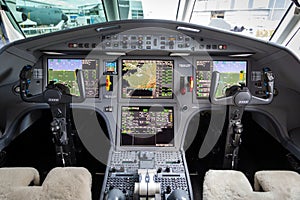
(171, 144)
(146, 97)
(74, 58)
(213, 69)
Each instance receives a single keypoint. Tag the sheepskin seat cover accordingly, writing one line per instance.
(232, 185)
(67, 183)
(286, 184)
(16, 177)
(268, 185)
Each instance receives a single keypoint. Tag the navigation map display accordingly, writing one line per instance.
(147, 126)
(231, 73)
(62, 70)
(147, 79)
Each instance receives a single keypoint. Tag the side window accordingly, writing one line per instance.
(8, 33)
(294, 42)
(33, 17)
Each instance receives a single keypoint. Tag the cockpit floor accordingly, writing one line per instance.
(259, 151)
(34, 148)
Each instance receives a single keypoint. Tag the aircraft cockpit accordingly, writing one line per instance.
(148, 109)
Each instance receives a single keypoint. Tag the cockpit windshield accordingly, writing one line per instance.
(254, 18)
(149, 99)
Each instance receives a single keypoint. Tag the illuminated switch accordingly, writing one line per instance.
(191, 83)
(241, 76)
(109, 83)
(108, 109)
(182, 85)
(222, 46)
(72, 45)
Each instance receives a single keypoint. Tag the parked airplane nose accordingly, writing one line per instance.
(64, 17)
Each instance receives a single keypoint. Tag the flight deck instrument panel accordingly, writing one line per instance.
(62, 70)
(147, 161)
(231, 73)
(147, 126)
(147, 79)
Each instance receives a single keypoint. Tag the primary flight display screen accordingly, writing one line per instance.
(231, 73)
(147, 126)
(147, 79)
(62, 70)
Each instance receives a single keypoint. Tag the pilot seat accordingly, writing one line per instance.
(67, 183)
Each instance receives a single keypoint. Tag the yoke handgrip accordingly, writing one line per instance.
(213, 89)
(25, 80)
(270, 87)
(81, 86)
(53, 94)
(242, 97)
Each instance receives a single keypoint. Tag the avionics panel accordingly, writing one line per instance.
(147, 126)
(231, 73)
(147, 79)
(62, 70)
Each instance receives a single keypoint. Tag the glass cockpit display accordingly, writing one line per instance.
(110, 68)
(231, 73)
(62, 70)
(147, 126)
(147, 79)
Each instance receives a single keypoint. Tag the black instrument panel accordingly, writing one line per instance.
(145, 78)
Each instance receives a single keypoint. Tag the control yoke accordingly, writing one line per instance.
(54, 93)
(59, 98)
(237, 97)
(242, 96)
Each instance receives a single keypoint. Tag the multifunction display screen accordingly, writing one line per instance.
(62, 70)
(110, 68)
(147, 126)
(231, 73)
(147, 79)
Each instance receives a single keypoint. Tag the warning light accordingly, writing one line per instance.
(241, 75)
(191, 84)
(109, 83)
(72, 45)
(222, 46)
